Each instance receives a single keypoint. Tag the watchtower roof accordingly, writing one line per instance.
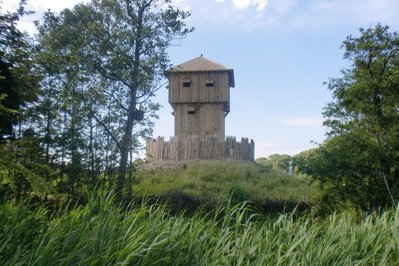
(202, 64)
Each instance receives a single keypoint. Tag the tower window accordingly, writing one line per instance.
(191, 109)
(209, 82)
(186, 83)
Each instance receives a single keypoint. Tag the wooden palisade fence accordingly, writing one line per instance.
(194, 147)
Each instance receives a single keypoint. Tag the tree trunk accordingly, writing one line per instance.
(127, 135)
(93, 184)
(124, 148)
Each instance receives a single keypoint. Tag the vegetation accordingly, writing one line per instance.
(358, 164)
(100, 233)
(70, 120)
(219, 180)
(71, 106)
(76, 94)
(17, 86)
(278, 162)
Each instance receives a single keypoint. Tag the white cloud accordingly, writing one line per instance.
(303, 122)
(53, 5)
(42, 5)
(39, 7)
(261, 5)
(244, 4)
(285, 14)
(183, 4)
(241, 4)
(318, 16)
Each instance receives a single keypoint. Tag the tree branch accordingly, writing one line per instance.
(101, 123)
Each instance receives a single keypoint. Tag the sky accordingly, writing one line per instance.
(282, 53)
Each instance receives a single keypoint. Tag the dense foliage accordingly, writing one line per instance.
(279, 162)
(96, 67)
(101, 234)
(17, 83)
(358, 164)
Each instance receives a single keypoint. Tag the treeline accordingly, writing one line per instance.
(358, 165)
(75, 99)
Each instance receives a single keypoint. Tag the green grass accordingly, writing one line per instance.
(217, 180)
(100, 233)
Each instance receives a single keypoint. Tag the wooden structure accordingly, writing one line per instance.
(199, 93)
(194, 147)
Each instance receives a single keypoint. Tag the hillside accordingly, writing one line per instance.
(218, 179)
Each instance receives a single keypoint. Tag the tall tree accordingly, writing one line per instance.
(117, 51)
(359, 163)
(17, 83)
(21, 164)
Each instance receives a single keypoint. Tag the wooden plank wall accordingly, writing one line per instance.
(195, 147)
(198, 92)
(208, 120)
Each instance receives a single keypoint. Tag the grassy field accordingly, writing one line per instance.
(230, 232)
(100, 233)
(219, 179)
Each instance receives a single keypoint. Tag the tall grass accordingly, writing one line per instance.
(101, 233)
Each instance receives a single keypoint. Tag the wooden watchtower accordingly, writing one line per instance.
(199, 93)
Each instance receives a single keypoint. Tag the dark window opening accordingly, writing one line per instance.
(191, 110)
(186, 83)
(209, 82)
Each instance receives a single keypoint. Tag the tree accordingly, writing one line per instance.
(358, 164)
(21, 165)
(278, 162)
(17, 83)
(114, 52)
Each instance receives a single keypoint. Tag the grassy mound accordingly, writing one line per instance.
(221, 180)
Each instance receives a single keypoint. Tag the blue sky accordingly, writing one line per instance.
(282, 51)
